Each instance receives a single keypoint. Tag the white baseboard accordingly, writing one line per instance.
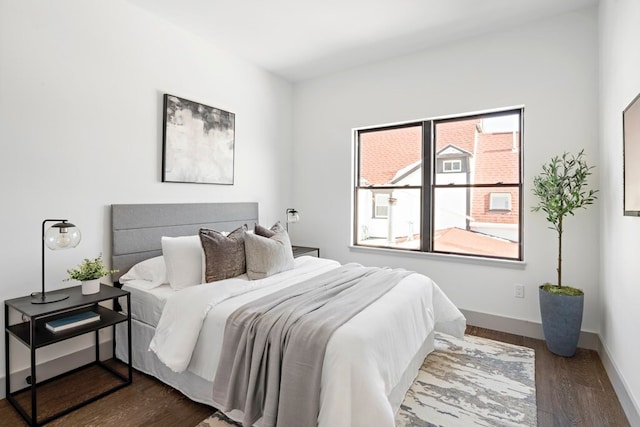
(57, 366)
(588, 340)
(629, 405)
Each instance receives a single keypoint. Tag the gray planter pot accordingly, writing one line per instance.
(561, 321)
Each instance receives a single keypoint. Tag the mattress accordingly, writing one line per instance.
(147, 304)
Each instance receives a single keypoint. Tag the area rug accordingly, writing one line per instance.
(470, 382)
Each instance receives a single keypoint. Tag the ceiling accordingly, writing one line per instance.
(302, 39)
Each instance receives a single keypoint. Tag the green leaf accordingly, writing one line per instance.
(89, 269)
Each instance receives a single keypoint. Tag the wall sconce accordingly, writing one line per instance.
(62, 235)
(292, 216)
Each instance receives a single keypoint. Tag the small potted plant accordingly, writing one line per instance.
(89, 272)
(561, 188)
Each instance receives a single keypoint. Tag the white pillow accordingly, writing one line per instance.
(183, 257)
(152, 270)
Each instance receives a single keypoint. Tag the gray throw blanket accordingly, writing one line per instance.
(273, 348)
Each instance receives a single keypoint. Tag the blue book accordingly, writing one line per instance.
(72, 321)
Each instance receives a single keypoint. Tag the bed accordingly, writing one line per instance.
(369, 363)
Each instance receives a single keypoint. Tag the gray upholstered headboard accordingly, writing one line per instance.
(137, 229)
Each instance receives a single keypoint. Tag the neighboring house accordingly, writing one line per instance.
(467, 152)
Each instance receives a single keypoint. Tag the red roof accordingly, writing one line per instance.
(469, 242)
(459, 133)
(384, 153)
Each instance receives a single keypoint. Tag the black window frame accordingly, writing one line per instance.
(428, 187)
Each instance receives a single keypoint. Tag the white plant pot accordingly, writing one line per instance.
(90, 287)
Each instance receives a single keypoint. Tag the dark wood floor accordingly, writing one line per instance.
(146, 402)
(570, 392)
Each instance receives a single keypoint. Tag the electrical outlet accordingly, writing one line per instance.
(518, 291)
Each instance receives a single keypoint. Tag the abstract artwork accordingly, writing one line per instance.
(198, 143)
(631, 136)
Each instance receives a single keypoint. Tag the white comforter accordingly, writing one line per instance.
(365, 358)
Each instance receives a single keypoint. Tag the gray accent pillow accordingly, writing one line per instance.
(268, 255)
(224, 256)
(268, 232)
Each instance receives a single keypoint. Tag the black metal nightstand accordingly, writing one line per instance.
(33, 333)
(304, 250)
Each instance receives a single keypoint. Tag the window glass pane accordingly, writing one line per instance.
(391, 157)
(500, 201)
(464, 222)
(487, 149)
(401, 226)
(381, 208)
(452, 166)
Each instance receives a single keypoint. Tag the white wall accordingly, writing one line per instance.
(81, 86)
(619, 284)
(549, 66)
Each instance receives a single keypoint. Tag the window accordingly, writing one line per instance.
(451, 185)
(449, 166)
(499, 201)
(381, 205)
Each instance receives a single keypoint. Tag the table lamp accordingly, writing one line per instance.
(62, 235)
(292, 216)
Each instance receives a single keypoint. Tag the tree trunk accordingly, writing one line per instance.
(560, 253)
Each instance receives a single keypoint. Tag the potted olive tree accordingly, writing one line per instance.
(561, 188)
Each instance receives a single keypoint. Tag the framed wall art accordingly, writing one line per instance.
(198, 142)
(631, 155)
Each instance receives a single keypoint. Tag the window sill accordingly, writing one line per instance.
(466, 259)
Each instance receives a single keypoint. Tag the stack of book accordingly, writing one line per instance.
(72, 321)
